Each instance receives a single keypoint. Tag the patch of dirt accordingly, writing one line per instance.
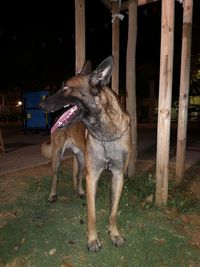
(194, 187)
(192, 180)
(12, 185)
(191, 228)
(17, 262)
(5, 215)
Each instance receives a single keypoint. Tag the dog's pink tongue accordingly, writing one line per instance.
(64, 118)
(55, 126)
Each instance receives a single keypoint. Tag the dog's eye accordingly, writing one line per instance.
(65, 88)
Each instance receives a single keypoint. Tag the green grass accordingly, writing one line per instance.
(39, 227)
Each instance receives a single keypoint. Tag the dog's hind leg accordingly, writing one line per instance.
(117, 185)
(75, 171)
(56, 159)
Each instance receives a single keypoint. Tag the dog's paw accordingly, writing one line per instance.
(52, 198)
(117, 240)
(81, 193)
(94, 246)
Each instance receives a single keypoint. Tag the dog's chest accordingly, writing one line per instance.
(108, 154)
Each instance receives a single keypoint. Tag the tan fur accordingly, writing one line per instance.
(72, 138)
(46, 149)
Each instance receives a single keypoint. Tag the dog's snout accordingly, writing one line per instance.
(44, 106)
(47, 106)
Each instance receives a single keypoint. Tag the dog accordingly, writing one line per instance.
(89, 99)
(72, 138)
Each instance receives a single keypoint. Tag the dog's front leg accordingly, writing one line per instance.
(78, 171)
(93, 244)
(117, 185)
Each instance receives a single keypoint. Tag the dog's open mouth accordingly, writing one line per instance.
(66, 118)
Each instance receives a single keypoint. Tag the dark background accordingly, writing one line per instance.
(37, 42)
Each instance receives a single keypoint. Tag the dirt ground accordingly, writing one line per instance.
(14, 184)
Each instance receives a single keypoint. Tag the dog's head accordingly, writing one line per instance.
(77, 94)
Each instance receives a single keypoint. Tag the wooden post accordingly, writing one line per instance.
(131, 79)
(2, 147)
(80, 34)
(164, 108)
(124, 4)
(79, 54)
(184, 89)
(115, 47)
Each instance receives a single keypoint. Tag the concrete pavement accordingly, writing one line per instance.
(23, 150)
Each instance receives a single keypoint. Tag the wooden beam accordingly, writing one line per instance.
(131, 80)
(145, 2)
(124, 5)
(115, 47)
(184, 90)
(79, 34)
(165, 95)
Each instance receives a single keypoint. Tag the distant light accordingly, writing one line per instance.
(19, 103)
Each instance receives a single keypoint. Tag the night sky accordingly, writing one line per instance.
(37, 46)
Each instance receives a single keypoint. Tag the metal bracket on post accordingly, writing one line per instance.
(181, 1)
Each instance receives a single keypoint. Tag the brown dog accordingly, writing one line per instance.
(108, 140)
(72, 138)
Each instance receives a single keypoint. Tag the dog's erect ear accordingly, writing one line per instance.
(101, 76)
(87, 68)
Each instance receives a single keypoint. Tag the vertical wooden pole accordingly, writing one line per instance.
(115, 47)
(164, 108)
(2, 147)
(131, 79)
(79, 55)
(79, 34)
(184, 89)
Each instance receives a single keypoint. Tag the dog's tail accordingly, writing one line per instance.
(46, 149)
